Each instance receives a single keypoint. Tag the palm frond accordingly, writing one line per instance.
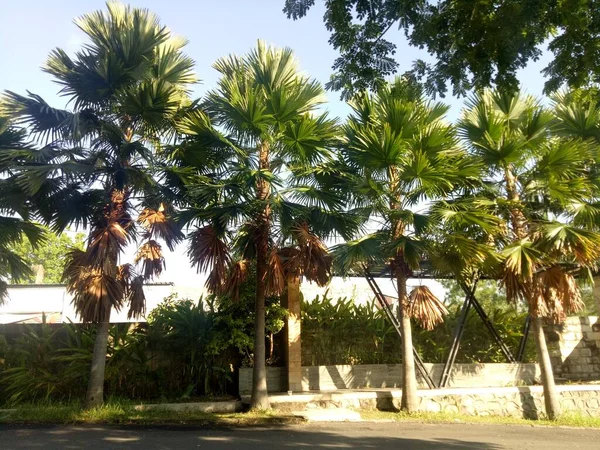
(238, 273)
(158, 225)
(275, 275)
(568, 241)
(315, 261)
(209, 253)
(425, 307)
(151, 257)
(136, 298)
(94, 291)
(557, 294)
(352, 255)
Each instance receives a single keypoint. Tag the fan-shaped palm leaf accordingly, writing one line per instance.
(425, 307)
(210, 254)
(151, 257)
(158, 225)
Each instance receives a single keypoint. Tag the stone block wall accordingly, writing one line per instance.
(331, 378)
(526, 402)
(575, 348)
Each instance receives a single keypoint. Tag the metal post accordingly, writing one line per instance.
(394, 320)
(458, 332)
(523, 342)
(490, 326)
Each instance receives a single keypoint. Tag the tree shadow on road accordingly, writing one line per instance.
(358, 436)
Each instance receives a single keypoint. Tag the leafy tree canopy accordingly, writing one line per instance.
(50, 254)
(476, 43)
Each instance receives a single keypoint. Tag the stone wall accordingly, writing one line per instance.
(527, 402)
(575, 348)
(331, 378)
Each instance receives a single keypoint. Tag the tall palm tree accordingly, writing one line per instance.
(267, 205)
(15, 210)
(128, 86)
(404, 155)
(541, 175)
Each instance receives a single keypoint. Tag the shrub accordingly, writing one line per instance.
(342, 332)
(186, 349)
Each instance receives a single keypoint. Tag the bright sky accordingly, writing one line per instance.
(29, 30)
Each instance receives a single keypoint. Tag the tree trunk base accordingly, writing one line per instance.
(95, 391)
(260, 402)
(551, 401)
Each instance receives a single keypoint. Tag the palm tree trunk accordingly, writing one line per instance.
(95, 391)
(410, 398)
(551, 401)
(519, 228)
(260, 396)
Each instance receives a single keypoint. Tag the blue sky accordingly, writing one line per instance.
(29, 30)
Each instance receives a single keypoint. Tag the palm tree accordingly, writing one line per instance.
(15, 209)
(541, 175)
(404, 155)
(128, 87)
(263, 201)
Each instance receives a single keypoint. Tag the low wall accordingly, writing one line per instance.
(527, 402)
(574, 348)
(331, 378)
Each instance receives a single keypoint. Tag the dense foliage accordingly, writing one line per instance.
(344, 332)
(186, 349)
(191, 349)
(475, 44)
(15, 211)
(49, 255)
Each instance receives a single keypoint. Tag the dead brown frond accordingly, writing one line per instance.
(238, 273)
(75, 263)
(105, 245)
(125, 273)
(94, 292)
(556, 294)
(210, 254)
(426, 308)
(275, 276)
(158, 225)
(314, 259)
(290, 257)
(136, 297)
(92, 276)
(117, 210)
(153, 262)
(513, 286)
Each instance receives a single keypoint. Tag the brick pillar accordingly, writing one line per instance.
(293, 327)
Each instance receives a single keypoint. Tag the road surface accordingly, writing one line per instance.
(381, 436)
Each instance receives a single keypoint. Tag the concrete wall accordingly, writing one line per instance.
(330, 378)
(27, 303)
(525, 402)
(575, 348)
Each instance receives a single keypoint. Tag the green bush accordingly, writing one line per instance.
(192, 349)
(342, 332)
(186, 349)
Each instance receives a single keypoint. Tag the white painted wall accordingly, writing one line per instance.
(27, 303)
(358, 289)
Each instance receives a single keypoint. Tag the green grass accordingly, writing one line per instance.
(124, 413)
(567, 419)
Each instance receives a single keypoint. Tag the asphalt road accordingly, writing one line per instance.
(381, 436)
